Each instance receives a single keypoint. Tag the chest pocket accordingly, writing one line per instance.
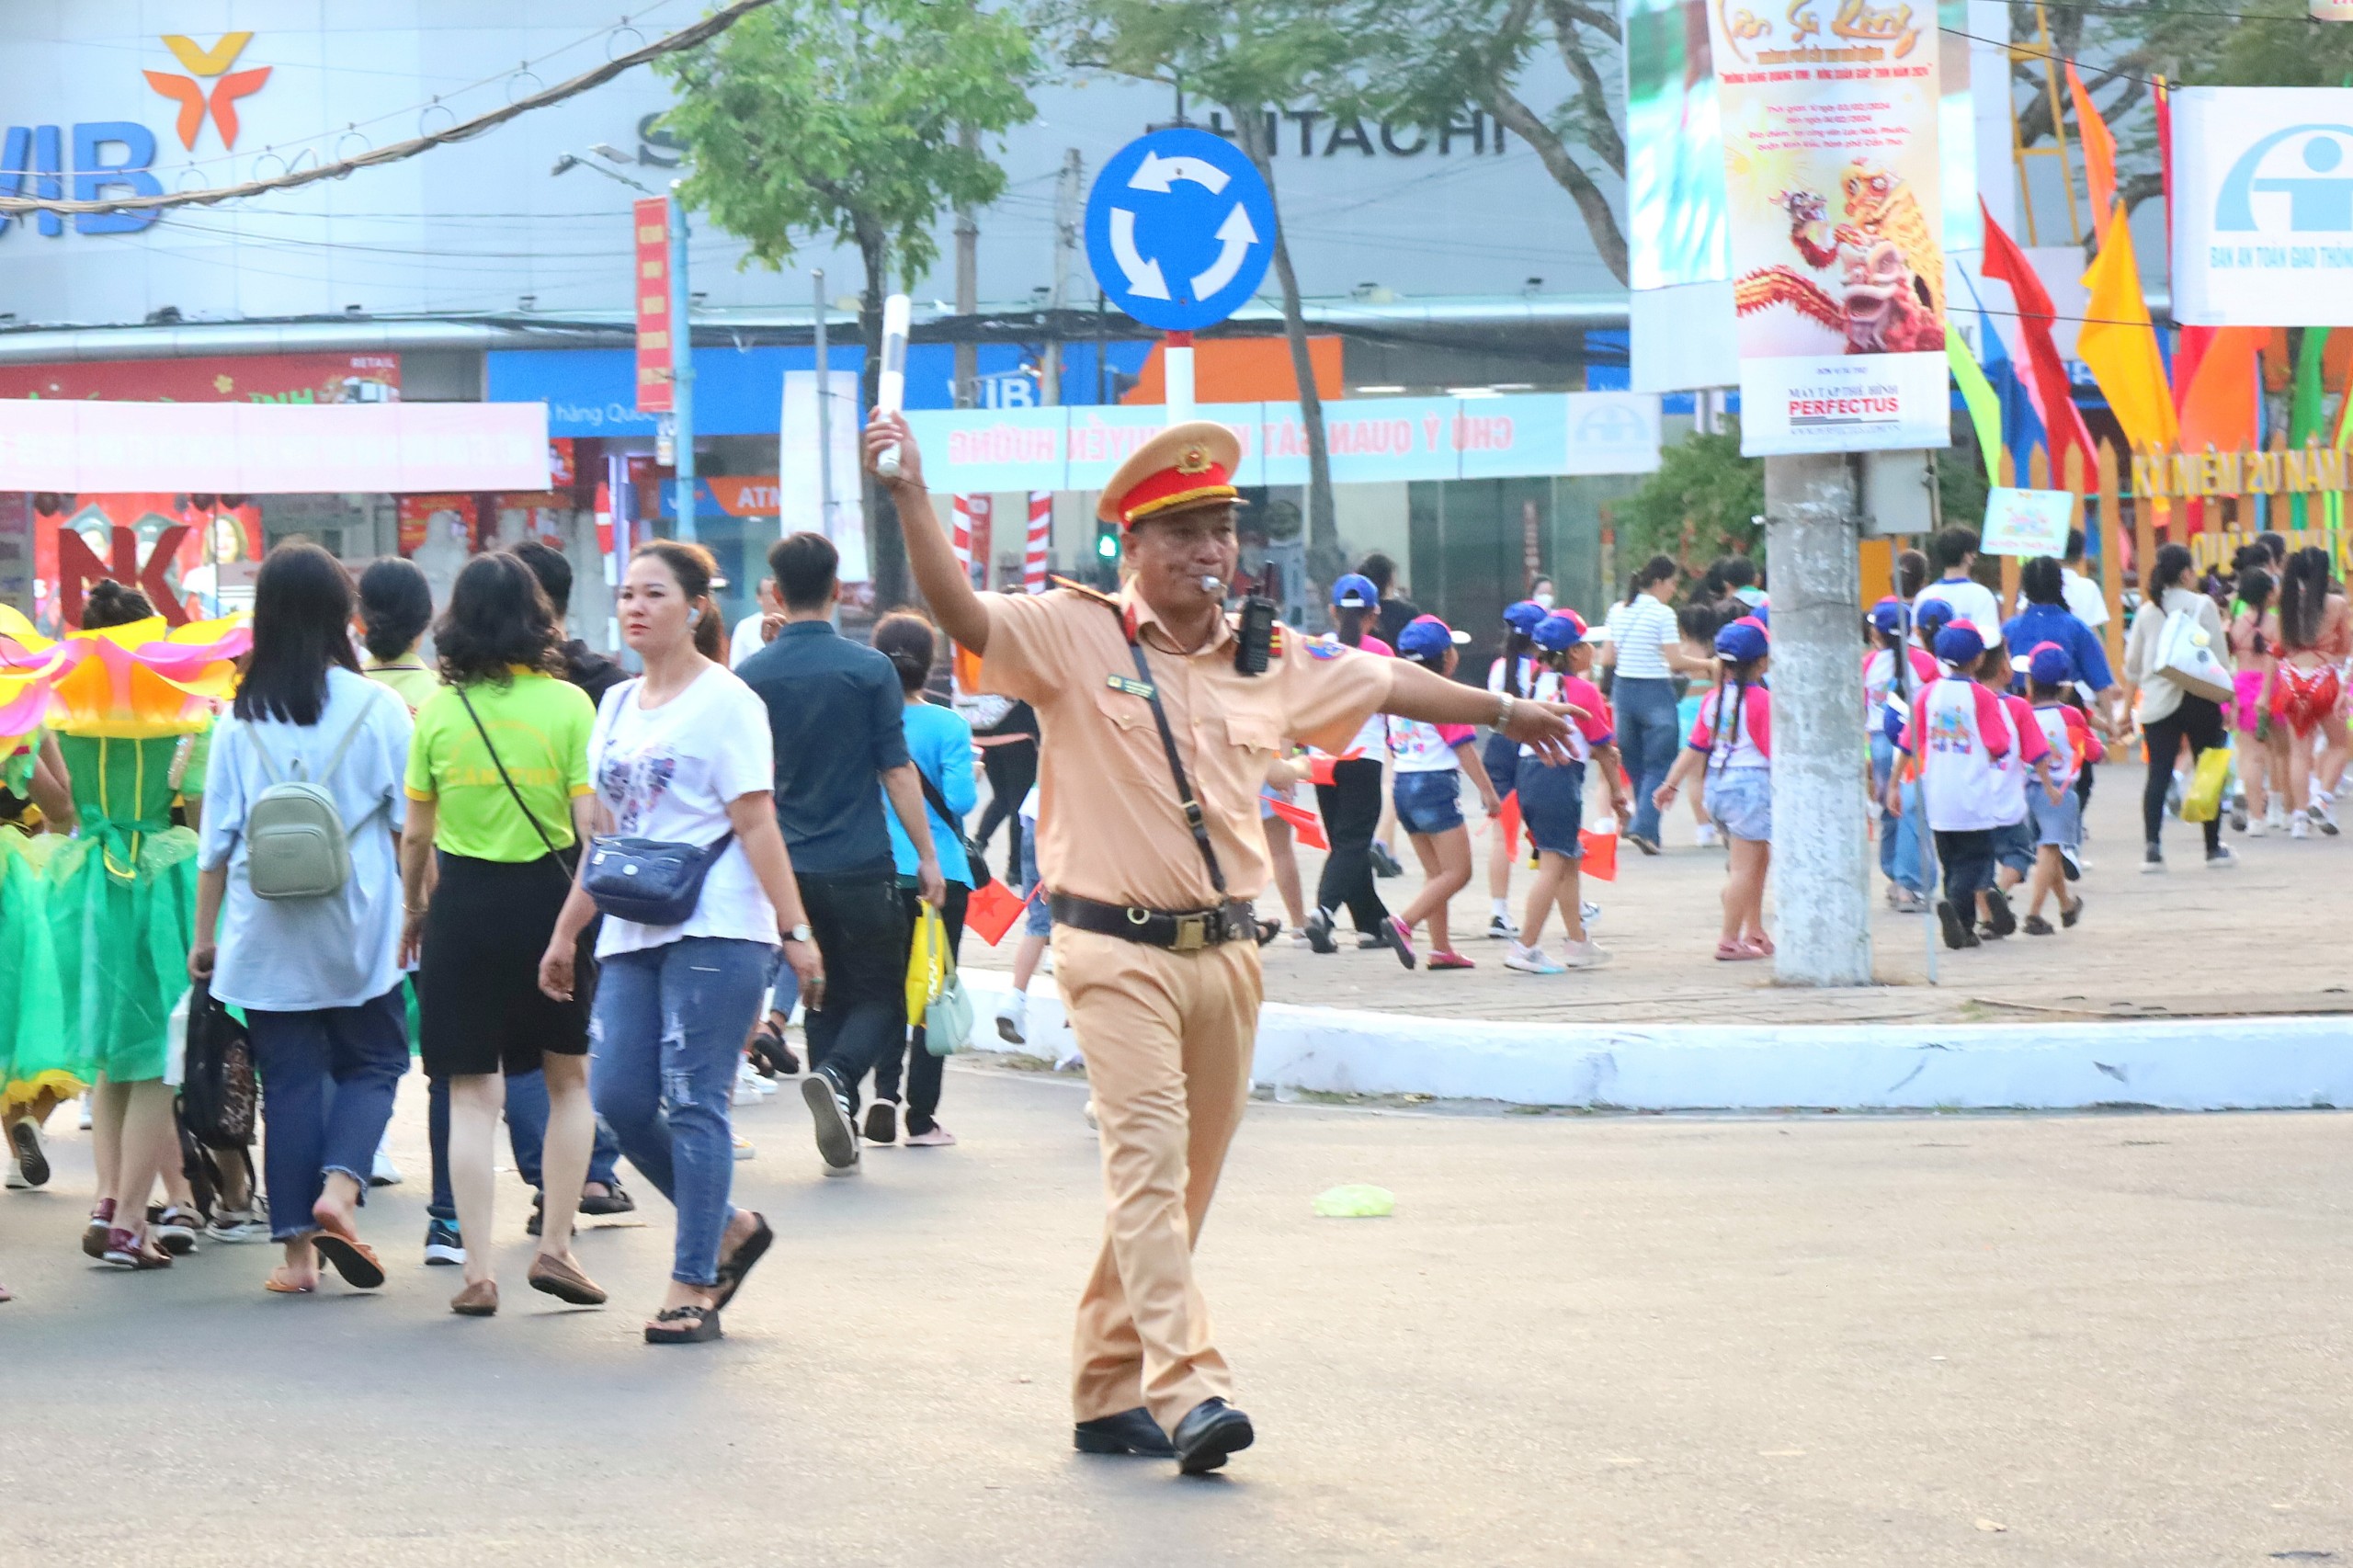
(1256, 733)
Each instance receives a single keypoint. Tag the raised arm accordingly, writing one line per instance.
(929, 556)
(1417, 693)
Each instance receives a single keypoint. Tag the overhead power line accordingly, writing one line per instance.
(708, 28)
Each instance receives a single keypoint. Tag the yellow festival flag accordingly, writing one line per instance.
(2120, 345)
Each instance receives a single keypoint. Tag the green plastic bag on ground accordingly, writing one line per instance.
(1355, 1202)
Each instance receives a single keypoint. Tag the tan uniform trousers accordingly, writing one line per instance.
(1166, 1036)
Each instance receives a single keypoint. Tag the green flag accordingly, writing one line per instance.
(2304, 418)
(1985, 407)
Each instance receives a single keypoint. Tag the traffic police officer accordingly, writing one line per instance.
(1154, 742)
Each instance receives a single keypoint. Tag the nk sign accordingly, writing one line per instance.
(2263, 207)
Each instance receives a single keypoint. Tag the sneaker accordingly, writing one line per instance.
(1299, 939)
(2325, 813)
(1529, 960)
(1904, 901)
(124, 1250)
(14, 1181)
(1013, 1019)
(2275, 816)
(1588, 954)
(236, 1225)
(2238, 814)
(1590, 913)
(2257, 826)
(2299, 826)
(744, 1150)
(2152, 861)
(2221, 858)
(932, 1137)
(443, 1246)
(83, 1120)
(744, 1091)
(1399, 939)
(174, 1228)
(2071, 861)
(1706, 837)
(1646, 844)
(1384, 864)
(829, 1114)
(1319, 932)
(882, 1123)
(383, 1172)
(31, 1165)
(1500, 929)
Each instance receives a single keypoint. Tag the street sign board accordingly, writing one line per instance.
(650, 253)
(1179, 229)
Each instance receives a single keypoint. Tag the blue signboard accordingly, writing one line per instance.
(1179, 229)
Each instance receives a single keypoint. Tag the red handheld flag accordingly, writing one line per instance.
(1601, 861)
(1507, 818)
(991, 912)
(1304, 824)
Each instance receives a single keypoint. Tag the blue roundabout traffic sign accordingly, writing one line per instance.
(1179, 229)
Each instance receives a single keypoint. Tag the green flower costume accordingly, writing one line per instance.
(121, 898)
(34, 1052)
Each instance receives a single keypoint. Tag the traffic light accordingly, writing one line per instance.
(1107, 541)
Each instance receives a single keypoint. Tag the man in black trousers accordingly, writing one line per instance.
(833, 713)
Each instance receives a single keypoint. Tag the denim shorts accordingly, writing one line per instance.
(1740, 801)
(2060, 824)
(2014, 844)
(1552, 802)
(1427, 801)
(1035, 920)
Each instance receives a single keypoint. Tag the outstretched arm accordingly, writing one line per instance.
(1417, 693)
(929, 555)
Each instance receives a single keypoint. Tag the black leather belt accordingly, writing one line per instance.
(1180, 931)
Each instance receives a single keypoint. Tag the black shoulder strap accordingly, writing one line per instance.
(503, 779)
(1194, 818)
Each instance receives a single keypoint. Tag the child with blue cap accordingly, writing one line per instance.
(1428, 762)
(1909, 872)
(2058, 824)
(1732, 747)
(1551, 798)
(1514, 674)
(1351, 802)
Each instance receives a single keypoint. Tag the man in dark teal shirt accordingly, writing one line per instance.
(834, 717)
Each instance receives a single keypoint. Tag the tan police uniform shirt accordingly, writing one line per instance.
(1109, 827)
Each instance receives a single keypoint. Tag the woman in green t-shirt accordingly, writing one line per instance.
(498, 799)
(395, 607)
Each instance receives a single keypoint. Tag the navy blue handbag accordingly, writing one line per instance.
(647, 879)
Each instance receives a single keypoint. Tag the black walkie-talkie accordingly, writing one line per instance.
(1258, 636)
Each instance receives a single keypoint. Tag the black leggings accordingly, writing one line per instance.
(2200, 721)
(923, 1069)
(1012, 769)
(1352, 804)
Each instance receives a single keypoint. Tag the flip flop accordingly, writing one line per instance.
(1737, 952)
(350, 1257)
(277, 1285)
(731, 1273)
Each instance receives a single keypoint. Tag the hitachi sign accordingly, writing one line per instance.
(109, 156)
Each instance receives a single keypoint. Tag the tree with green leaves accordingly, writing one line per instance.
(1253, 60)
(1706, 500)
(1427, 60)
(842, 117)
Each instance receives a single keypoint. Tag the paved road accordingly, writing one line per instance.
(1612, 1341)
(2261, 938)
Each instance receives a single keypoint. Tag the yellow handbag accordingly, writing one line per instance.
(927, 961)
(2203, 802)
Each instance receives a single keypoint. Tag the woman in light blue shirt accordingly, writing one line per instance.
(940, 744)
(319, 977)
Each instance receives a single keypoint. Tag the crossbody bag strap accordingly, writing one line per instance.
(529, 815)
(1195, 818)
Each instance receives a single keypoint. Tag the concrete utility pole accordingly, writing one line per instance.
(967, 390)
(1821, 864)
(1066, 209)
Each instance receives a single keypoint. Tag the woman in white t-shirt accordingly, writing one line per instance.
(683, 757)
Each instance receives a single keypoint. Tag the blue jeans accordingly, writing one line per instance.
(527, 1131)
(1648, 738)
(327, 1081)
(1900, 860)
(664, 1044)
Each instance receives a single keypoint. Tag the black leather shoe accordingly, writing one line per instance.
(1130, 1432)
(1211, 1430)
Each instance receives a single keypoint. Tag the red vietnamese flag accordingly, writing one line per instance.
(2046, 375)
(991, 910)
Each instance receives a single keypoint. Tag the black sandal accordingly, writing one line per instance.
(683, 1326)
(770, 1056)
(739, 1263)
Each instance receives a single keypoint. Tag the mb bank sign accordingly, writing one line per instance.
(2263, 207)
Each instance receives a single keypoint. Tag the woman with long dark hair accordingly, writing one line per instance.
(2254, 645)
(2169, 714)
(318, 975)
(1645, 650)
(940, 745)
(499, 802)
(682, 755)
(1351, 802)
(2315, 633)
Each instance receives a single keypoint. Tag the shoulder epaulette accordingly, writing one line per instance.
(1085, 592)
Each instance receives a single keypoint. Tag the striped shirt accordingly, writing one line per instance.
(1639, 631)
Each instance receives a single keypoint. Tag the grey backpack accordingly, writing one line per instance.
(297, 845)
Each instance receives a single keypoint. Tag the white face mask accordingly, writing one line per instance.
(1545, 599)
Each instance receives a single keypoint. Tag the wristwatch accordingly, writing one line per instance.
(1504, 703)
(800, 933)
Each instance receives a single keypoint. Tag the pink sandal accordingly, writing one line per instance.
(1762, 943)
(1736, 953)
(1447, 957)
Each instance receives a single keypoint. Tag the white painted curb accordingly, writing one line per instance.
(2188, 1064)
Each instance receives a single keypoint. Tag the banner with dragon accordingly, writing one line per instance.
(1829, 121)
